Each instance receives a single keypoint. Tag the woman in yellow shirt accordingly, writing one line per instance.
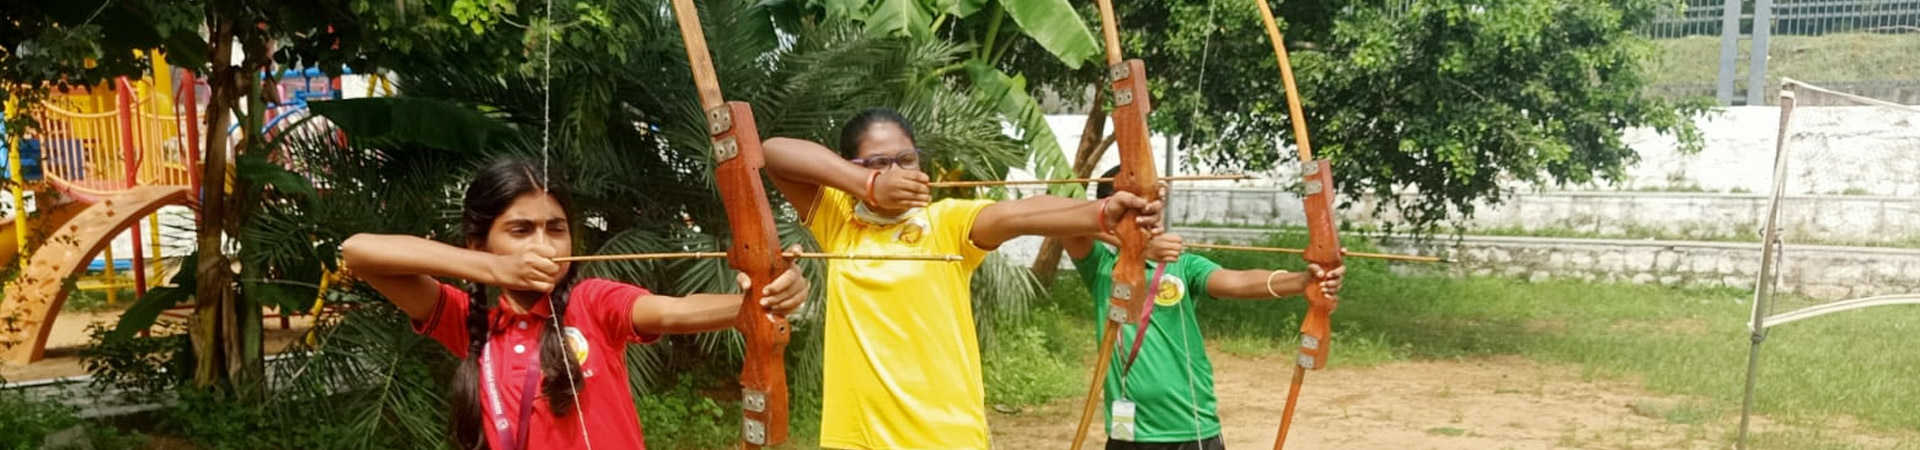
(902, 367)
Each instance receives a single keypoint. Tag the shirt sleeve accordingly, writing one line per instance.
(447, 323)
(1195, 270)
(610, 306)
(1094, 267)
(954, 223)
(831, 211)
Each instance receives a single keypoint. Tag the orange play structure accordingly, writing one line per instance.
(111, 156)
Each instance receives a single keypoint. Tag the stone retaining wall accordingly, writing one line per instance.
(1820, 272)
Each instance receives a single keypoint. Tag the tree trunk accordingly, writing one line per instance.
(225, 330)
(1093, 145)
(212, 293)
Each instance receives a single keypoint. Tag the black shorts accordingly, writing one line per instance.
(1212, 443)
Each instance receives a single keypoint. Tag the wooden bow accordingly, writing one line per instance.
(1323, 241)
(1137, 175)
(756, 243)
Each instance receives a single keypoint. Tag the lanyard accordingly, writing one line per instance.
(500, 424)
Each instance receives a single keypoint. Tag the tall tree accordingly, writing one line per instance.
(1429, 106)
(990, 29)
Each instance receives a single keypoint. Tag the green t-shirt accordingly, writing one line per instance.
(1172, 381)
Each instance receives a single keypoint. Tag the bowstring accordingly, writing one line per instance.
(1186, 343)
(546, 162)
(546, 93)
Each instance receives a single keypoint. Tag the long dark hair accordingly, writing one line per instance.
(856, 129)
(495, 188)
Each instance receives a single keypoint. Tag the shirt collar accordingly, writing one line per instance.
(503, 317)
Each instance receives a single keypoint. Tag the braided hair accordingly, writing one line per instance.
(493, 190)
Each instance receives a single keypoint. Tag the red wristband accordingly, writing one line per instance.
(870, 179)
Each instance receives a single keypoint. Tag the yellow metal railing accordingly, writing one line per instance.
(83, 150)
(80, 149)
(161, 146)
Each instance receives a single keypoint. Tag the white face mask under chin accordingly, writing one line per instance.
(864, 214)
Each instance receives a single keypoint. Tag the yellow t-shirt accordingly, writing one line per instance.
(902, 362)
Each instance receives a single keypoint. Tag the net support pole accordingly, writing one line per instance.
(1769, 255)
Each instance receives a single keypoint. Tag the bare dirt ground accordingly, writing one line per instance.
(1494, 403)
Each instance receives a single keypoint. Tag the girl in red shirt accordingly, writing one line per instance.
(543, 365)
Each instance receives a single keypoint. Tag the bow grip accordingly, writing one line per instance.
(1323, 249)
(755, 251)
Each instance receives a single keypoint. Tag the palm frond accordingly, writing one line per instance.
(1003, 292)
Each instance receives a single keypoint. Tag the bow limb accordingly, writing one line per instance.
(756, 251)
(1323, 241)
(1128, 299)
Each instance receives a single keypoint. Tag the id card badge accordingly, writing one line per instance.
(1123, 426)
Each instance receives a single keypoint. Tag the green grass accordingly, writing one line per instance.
(1690, 342)
(1847, 56)
(1702, 233)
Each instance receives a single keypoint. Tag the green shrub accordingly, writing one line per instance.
(684, 417)
(142, 365)
(25, 422)
(1023, 369)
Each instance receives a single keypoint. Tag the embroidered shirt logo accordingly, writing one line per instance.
(912, 231)
(577, 342)
(1172, 289)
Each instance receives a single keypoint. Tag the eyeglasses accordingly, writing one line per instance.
(909, 159)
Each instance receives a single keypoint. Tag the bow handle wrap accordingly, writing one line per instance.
(1323, 249)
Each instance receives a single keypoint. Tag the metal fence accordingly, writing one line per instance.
(1790, 17)
(1860, 46)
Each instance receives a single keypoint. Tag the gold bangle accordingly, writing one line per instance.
(1270, 283)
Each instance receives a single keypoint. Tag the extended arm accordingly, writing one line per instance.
(1052, 216)
(1267, 284)
(698, 313)
(1253, 284)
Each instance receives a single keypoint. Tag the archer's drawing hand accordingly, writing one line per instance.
(532, 270)
(1165, 248)
(901, 189)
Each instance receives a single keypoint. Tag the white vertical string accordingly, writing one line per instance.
(546, 162)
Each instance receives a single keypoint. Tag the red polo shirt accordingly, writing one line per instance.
(598, 325)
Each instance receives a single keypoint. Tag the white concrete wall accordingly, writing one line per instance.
(1819, 272)
(1854, 150)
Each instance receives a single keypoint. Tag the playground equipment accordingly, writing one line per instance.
(101, 160)
(108, 157)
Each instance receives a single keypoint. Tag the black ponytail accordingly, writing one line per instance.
(469, 419)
